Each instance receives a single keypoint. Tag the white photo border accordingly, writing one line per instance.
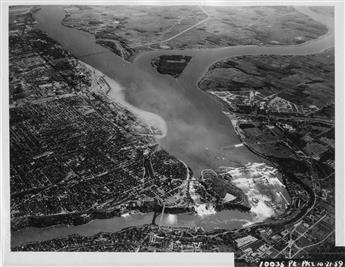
(154, 259)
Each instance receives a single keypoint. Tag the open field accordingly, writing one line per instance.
(129, 30)
(303, 80)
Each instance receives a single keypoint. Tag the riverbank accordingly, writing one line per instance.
(289, 177)
(96, 143)
(145, 238)
(116, 93)
(80, 218)
(195, 122)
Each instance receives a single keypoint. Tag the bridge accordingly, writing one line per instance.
(159, 199)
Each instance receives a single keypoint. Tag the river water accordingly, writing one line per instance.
(197, 128)
(224, 220)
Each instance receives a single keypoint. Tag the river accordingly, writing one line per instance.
(197, 128)
(228, 219)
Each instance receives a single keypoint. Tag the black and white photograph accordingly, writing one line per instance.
(163, 127)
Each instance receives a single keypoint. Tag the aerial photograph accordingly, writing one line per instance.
(173, 128)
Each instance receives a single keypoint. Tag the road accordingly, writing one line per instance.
(178, 34)
(195, 70)
(312, 245)
(293, 242)
(290, 117)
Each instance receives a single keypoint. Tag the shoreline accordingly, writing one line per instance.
(80, 219)
(116, 93)
(119, 93)
(275, 163)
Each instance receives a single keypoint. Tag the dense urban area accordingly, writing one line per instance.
(77, 155)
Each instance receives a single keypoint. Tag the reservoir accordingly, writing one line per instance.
(197, 127)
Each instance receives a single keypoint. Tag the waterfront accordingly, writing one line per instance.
(227, 219)
(197, 128)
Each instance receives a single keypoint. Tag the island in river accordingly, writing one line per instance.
(172, 65)
(224, 162)
(91, 155)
